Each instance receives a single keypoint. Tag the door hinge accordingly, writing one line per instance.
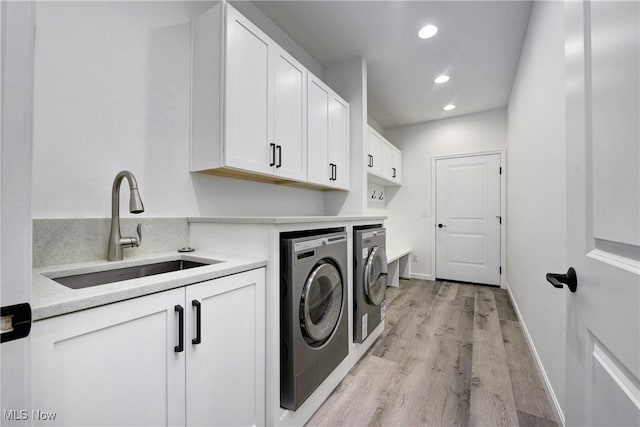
(500, 270)
(500, 170)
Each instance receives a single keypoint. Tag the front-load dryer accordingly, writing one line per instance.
(314, 330)
(369, 280)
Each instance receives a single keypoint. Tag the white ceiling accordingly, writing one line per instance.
(478, 44)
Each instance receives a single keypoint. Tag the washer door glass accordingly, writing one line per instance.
(321, 302)
(375, 276)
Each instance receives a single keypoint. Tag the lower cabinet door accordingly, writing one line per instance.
(226, 359)
(111, 365)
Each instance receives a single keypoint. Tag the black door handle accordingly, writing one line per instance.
(441, 225)
(198, 339)
(569, 278)
(279, 148)
(273, 154)
(180, 347)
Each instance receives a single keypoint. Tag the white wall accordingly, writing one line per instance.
(536, 188)
(111, 93)
(419, 143)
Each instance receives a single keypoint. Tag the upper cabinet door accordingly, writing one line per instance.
(289, 113)
(248, 129)
(318, 168)
(339, 142)
(387, 166)
(396, 165)
(375, 153)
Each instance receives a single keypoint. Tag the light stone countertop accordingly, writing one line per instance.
(50, 298)
(282, 219)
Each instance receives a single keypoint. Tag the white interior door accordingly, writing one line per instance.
(468, 219)
(603, 198)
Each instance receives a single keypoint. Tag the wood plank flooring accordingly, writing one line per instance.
(450, 354)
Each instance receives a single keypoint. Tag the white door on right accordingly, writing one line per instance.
(468, 219)
(603, 208)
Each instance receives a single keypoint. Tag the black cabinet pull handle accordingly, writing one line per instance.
(569, 278)
(279, 148)
(272, 162)
(370, 160)
(335, 172)
(394, 172)
(180, 347)
(198, 339)
(441, 225)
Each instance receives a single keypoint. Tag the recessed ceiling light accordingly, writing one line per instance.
(427, 31)
(449, 107)
(441, 79)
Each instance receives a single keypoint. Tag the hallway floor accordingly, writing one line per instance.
(450, 354)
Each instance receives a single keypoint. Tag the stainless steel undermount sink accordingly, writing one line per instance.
(86, 280)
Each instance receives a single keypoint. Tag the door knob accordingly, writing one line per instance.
(569, 278)
(441, 225)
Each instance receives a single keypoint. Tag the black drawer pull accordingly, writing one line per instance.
(180, 347)
(198, 339)
(272, 162)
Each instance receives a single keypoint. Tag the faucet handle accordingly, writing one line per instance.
(138, 241)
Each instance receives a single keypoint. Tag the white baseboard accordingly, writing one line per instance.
(536, 356)
(421, 276)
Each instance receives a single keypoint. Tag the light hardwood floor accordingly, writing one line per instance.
(450, 354)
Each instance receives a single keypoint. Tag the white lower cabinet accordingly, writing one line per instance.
(128, 364)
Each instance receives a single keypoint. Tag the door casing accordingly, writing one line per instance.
(503, 227)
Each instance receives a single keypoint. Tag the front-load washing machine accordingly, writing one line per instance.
(314, 334)
(369, 279)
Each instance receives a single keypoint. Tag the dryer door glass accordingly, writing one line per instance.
(321, 303)
(375, 276)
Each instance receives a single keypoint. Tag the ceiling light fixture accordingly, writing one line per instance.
(427, 31)
(449, 107)
(441, 79)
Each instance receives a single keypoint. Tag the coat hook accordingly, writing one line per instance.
(381, 196)
(374, 194)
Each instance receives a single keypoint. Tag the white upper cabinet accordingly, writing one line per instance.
(339, 141)
(249, 113)
(318, 137)
(248, 93)
(396, 165)
(328, 136)
(384, 161)
(374, 160)
(290, 113)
